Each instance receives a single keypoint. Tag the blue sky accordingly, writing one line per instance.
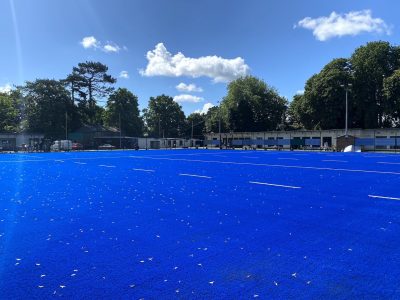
(282, 42)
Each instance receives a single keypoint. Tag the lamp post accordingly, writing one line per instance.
(219, 125)
(120, 132)
(347, 88)
(66, 125)
(146, 135)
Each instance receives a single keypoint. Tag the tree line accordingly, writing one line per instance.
(87, 96)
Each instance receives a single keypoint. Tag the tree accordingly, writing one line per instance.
(122, 106)
(45, 104)
(391, 91)
(323, 104)
(371, 64)
(164, 117)
(251, 105)
(90, 81)
(212, 118)
(195, 121)
(9, 112)
(297, 115)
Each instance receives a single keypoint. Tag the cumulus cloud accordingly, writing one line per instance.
(300, 92)
(337, 25)
(188, 98)
(91, 42)
(5, 89)
(205, 108)
(124, 74)
(110, 47)
(162, 63)
(183, 87)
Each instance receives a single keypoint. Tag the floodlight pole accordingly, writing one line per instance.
(146, 135)
(159, 127)
(219, 125)
(66, 125)
(347, 87)
(120, 133)
(347, 114)
(191, 138)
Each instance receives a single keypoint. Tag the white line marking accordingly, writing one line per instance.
(251, 157)
(277, 185)
(285, 158)
(383, 197)
(217, 162)
(333, 160)
(79, 163)
(106, 166)
(387, 163)
(59, 160)
(194, 175)
(270, 165)
(144, 170)
(30, 156)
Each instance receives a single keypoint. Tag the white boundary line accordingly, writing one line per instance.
(106, 166)
(383, 197)
(213, 161)
(194, 175)
(335, 160)
(143, 170)
(388, 163)
(287, 158)
(271, 165)
(277, 185)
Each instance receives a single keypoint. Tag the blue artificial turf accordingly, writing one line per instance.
(127, 225)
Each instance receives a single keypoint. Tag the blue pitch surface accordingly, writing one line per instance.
(202, 224)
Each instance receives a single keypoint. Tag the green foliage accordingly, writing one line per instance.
(45, 103)
(370, 64)
(323, 104)
(372, 98)
(122, 106)
(251, 105)
(9, 112)
(391, 92)
(88, 83)
(198, 122)
(213, 117)
(164, 117)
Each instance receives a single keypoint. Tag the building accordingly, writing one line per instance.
(168, 143)
(21, 141)
(367, 139)
(92, 136)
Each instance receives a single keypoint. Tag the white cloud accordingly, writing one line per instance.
(90, 42)
(300, 92)
(111, 47)
(187, 98)
(337, 25)
(183, 87)
(5, 89)
(205, 108)
(124, 74)
(163, 63)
